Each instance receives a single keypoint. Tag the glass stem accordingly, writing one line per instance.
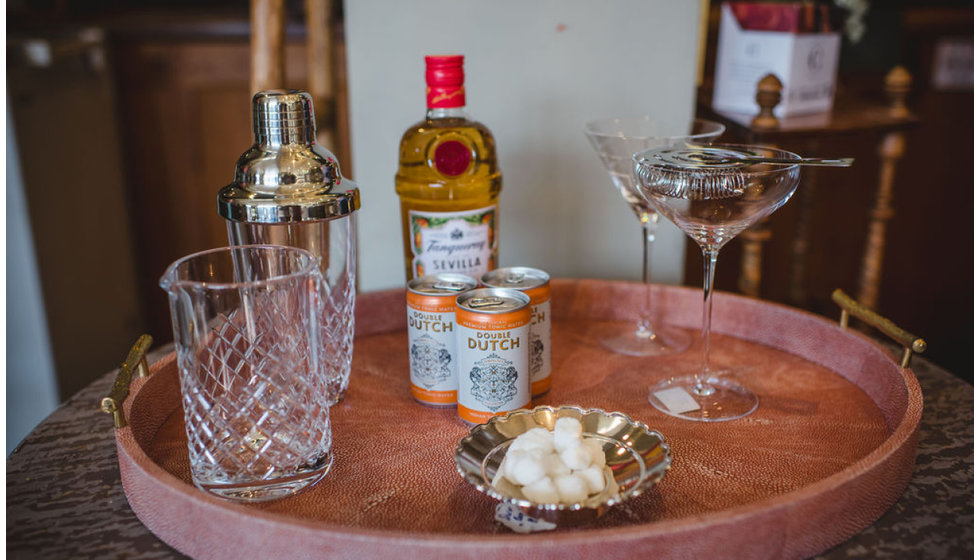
(701, 387)
(644, 325)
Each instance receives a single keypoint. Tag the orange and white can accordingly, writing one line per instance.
(537, 285)
(432, 356)
(492, 339)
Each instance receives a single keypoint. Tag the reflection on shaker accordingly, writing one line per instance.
(288, 190)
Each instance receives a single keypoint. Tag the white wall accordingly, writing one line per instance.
(31, 392)
(536, 71)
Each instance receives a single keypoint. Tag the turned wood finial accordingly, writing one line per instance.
(768, 93)
(319, 64)
(898, 83)
(266, 44)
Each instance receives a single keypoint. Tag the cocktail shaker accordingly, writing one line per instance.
(288, 190)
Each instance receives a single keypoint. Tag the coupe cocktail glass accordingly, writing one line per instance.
(712, 194)
(616, 140)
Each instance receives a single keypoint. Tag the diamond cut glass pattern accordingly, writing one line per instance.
(337, 315)
(332, 242)
(256, 396)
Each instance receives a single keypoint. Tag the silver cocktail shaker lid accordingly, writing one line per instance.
(286, 176)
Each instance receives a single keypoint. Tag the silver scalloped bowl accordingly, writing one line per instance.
(637, 456)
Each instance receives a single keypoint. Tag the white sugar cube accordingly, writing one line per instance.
(536, 438)
(598, 456)
(569, 425)
(571, 488)
(542, 491)
(567, 432)
(564, 440)
(594, 478)
(554, 466)
(525, 467)
(577, 456)
(507, 465)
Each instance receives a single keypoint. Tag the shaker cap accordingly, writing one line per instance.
(277, 112)
(444, 79)
(286, 176)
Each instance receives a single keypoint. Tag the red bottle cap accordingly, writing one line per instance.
(444, 81)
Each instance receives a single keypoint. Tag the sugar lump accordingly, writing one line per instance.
(559, 467)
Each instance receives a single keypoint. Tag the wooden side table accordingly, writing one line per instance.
(886, 122)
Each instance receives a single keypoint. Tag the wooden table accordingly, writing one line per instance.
(65, 498)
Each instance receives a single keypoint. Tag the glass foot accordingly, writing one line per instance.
(726, 400)
(632, 341)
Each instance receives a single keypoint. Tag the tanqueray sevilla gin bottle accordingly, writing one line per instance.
(448, 182)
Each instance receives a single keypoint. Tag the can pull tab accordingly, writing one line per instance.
(451, 286)
(491, 301)
(515, 278)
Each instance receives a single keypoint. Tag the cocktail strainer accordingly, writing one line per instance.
(712, 172)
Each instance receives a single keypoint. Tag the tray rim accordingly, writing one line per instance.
(135, 465)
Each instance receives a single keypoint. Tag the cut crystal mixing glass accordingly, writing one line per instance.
(255, 397)
(712, 196)
(616, 140)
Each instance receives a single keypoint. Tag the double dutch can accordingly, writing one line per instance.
(433, 360)
(537, 285)
(492, 337)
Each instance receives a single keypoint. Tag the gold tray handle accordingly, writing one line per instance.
(908, 340)
(120, 389)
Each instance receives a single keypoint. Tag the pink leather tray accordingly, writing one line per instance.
(830, 448)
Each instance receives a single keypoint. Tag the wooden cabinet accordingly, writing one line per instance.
(126, 135)
(63, 115)
(185, 109)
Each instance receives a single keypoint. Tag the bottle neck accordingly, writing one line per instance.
(446, 113)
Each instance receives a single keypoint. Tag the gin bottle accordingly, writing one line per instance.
(448, 182)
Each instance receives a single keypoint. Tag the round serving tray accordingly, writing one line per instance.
(830, 448)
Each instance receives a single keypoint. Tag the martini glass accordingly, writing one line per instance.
(616, 140)
(712, 194)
